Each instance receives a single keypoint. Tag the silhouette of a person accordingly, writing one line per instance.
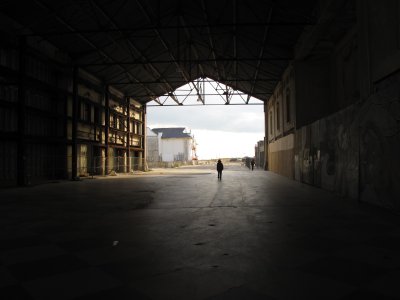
(252, 164)
(220, 167)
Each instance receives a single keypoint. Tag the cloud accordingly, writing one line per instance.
(219, 144)
(234, 118)
(220, 131)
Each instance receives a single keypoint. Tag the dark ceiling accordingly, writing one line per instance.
(147, 48)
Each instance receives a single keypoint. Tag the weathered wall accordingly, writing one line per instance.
(312, 88)
(347, 116)
(339, 144)
(380, 145)
(379, 115)
(355, 152)
(327, 138)
(326, 153)
(280, 108)
(281, 155)
(382, 30)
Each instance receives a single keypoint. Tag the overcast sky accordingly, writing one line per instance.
(220, 131)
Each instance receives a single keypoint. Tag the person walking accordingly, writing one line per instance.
(220, 167)
(252, 164)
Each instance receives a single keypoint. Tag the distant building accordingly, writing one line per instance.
(170, 145)
(259, 154)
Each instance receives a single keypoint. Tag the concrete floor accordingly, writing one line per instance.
(186, 235)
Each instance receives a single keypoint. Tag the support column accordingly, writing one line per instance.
(364, 59)
(266, 137)
(21, 144)
(128, 129)
(107, 127)
(144, 142)
(75, 123)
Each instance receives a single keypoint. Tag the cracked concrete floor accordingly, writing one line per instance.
(186, 235)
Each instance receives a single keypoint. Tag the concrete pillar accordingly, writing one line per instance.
(21, 144)
(144, 143)
(364, 62)
(106, 127)
(140, 161)
(128, 129)
(75, 122)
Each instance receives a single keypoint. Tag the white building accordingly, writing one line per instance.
(174, 144)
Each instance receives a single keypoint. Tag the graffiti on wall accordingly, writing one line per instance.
(355, 152)
(330, 155)
(380, 148)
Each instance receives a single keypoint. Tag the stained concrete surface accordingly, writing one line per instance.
(182, 234)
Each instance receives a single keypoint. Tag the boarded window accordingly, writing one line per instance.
(270, 122)
(97, 116)
(278, 119)
(288, 110)
(85, 109)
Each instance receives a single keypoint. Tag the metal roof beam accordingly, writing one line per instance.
(169, 27)
(209, 94)
(210, 39)
(246, 61)
(196, 61)
(154, 69)
(70, 27)
(189, 36)
(157, 100)
(260, 55)
(146, 14)
(209, 104)
(181, 81)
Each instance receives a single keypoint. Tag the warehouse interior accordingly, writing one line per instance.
(83, 72)
(75, 77)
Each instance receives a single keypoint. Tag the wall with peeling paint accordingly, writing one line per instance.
(379, 119)
(326, 153)
(346, 137)
(355, 152)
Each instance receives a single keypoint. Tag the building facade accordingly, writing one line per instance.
(109, 132)
(59, 123)
(174, 144)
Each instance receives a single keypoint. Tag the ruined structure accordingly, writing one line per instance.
(75, 78)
